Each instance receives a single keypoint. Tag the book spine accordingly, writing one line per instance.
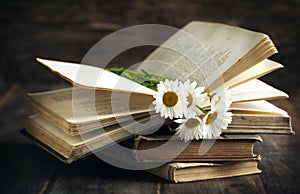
(166, 172)
(137, 140)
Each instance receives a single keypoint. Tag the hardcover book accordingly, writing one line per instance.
(178, 172)
(225, 148)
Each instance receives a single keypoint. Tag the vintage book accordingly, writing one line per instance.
(166, 148)
(255, 117)
(241, 58)
(186, 171)
(70, 148)
(58, 108)
(85, 110)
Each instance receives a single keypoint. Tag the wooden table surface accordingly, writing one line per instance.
(26, 168)
(65, 30)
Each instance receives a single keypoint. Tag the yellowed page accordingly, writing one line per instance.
(93, 77)
(264, 67)
(253, 90)
(256, 90)
(96, 138)
(184, 58)
(259, 106)
(70, 140)
(85, 105)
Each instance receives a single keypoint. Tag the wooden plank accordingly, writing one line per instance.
(94, 176)
(9, 96)
(242, 184)
(281, 156)
(24, 168)
(13, 113)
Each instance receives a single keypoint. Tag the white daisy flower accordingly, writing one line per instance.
(190, 129)
(170, 99)
(214, 122)
(221, 100)
(195, 98)
(218, 118)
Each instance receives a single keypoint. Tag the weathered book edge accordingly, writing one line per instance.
(56, 154)
(138, 139)
(167, 171)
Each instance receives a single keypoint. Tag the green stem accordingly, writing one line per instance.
(200, 108)
(210, 96)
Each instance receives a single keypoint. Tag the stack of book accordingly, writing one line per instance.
(73, 122)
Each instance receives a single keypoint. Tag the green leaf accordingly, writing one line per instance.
(142, 77)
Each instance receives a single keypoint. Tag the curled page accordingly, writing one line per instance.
(256, 90)
(93, 77)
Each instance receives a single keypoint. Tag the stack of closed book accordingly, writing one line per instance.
(73, 122)
(231, 155)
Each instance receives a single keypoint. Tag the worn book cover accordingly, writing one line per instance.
(166, 148)
(195, 171)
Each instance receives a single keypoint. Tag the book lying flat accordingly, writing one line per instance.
(71, 148)
(78, 111)
(256, 117)
(186, 172)
(166, 148)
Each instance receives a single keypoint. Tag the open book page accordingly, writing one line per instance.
(85, 105)
(259, 106)
(256, 90)
(202, 52)
(253, 90)
(264, 67)
(93, 77)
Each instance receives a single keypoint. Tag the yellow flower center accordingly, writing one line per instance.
(170, 99)
(192, 123)
(211, 118)
(190, 100)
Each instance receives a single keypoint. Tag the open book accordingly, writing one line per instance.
(58, 108)
(236, 58)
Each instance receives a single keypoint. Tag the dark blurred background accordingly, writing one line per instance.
(66, 30)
